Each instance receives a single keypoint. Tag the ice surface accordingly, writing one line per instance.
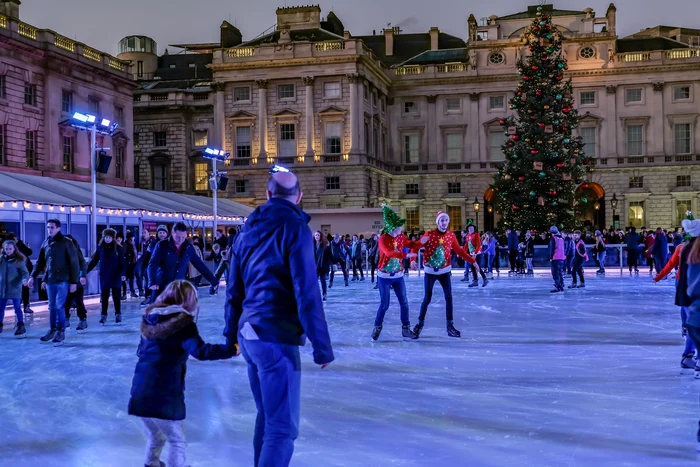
(586, 378)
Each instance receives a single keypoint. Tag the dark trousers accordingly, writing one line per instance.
(577, 269)
(324, 286)
(144, 277)
(632, 258)
(660, 261)
(274, 373)
(341, 262)
(445, 281)
(557, 265)
(123, 288)
(513, 257)
(77, 298)
(116, 298)
(569, 263)
(385, 285)
(132, 273)
(694, 334)
(373, 268)
(25, 296)
(357, 264)
(470, 267)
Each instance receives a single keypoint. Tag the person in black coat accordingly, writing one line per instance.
(633, 240)
(112, 272)
(339, 251)
(77, 298)
(373, 254)
(168, 336)
(355, 250)
(148, 244)
(322, 255)
(131, 258)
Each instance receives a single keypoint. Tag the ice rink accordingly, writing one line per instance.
(586, 378)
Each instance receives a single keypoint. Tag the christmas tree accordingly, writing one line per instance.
(535, 186)
(393, 265)
(438, 260)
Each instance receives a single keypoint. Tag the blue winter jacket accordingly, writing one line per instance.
(660, 248)
(112, 265)
(513, 241)
(273, 284)
(166, 266)
(633, 239)
(168, 336)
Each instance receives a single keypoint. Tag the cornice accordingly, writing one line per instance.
(257, 65)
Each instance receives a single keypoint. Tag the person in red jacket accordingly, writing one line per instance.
(439, 244)
(473, 247)
(394, 247)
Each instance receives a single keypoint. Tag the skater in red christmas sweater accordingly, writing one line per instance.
(394, 247)
(437, 257)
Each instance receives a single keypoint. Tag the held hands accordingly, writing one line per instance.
(123, 278)
(153, 287)
(43, 286)
(83, 281)
(238, 350)
(73, 288)
(30, 282)
(414, 266)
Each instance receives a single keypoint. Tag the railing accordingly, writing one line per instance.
(634, 57)
(240, 52)
(116, 64)
(410, 70)
(158, 97)
(26, 30)
(452, 68)
(92, 54)
(64, 43)
(3, 21)
(682, 54)
(329, 45)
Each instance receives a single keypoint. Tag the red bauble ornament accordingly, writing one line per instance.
(520, 93)
(560, 165)
(520, 179)
(516, 137)
(532, 117)
(502, 122)
(540, 124)
(566, 110)
(534, 152)
(510, 143)
(559, 78)
(552, 193)
(526, 78)
(538, 93)
(516, 207)
(535, 67)
(585, 185)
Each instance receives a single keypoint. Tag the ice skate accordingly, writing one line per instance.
(485, 283)
(330, 285)
(1, 325)
(362, 279)
(118, 318)
(82, 326)
(407, 333)
(687, 364)
(418, 328)
(474, 284)
(103, 319)
(582, 286)
(347, 284)
(573, 286)
(60, 337)
(555, 291)
(452, 331)
(48, 337)
(134, 295)
(465, 279)
(20, 331)
(324, 297)
(67, 326)
(28, 311)
(375, 333)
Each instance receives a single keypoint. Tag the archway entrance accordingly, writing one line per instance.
(591, 214)
(489, 210)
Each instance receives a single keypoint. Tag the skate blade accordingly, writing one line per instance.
(82, 331)
(21, 336)
(58, 344)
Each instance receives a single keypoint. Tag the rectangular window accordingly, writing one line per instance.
(67, 102)
(366, 138)
(288, 140)
(453, 145)
(636, 214)
(635, 135)
(241, 186)
(410, 149)
(636, 182)
(682, 136)
(588, 98)
(119, 115)
(374, 99)
(137, 138)
(68, 153)
(369, 183)
(455, 213)
(286, 91)
(412, 218)
(160, 177)
(681, 93)
(683, 180)
(411, 188)
(3, 92)
(633, 95)
(453, 104)
(200, 138)
(454, 188)
(332, 183)
(3, 146)
(497, 102)
(410, 107)
(160, 139)
(201, 176)
(139, 69)
(332, 205)
(682, 206)
(94, 106)
(375, 137)
(30, 149)
(383, 105)
(241, 94)
(119, 161)
(366, 91)
(333, 137)
(331, 90)
(30, 94)
(496, 139)
(243, 148)
(588, 135)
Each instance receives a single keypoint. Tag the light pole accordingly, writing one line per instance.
(613, 203)
(218, 180)
(476, 210)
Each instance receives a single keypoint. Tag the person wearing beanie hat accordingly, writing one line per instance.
(110, 257)
(439, 244)
(394, 247)
(557, 256)
(162, 228)
(473, 247)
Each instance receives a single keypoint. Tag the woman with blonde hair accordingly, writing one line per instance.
(168, 336)
(13, 275)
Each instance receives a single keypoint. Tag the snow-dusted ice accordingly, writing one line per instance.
(586, 378)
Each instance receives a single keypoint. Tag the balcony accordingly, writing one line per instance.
(295, 50)
(407, 70)
(660, 57)
(173, 99)
(647, 161)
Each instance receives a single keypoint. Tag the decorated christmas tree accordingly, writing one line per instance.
(438, 259)
(535, 186)
(393, 265)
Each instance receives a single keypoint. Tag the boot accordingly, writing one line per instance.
(20, 332)
(582, 286)
(475, 283)
(376, 286)
(573, 286)
(464, 279)
(346, 284)
(362, 279)
(134, 295)
(28, 310)
(324, 297)
(375, 333)
(330, 285)
(486, 281)
(118, 318)
(452, 331)
(103, 319)
(418, 328)
(60, 337)
(48, 337)
(144, 302)
(556, 290)
(407, 333)
(687, 362)
(82, 326)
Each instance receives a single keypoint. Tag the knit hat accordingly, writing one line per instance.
(553, 229)
(470, 223)
(163, 228)
(109, 233)
(441, 214)
(691, 226)
(392, 221)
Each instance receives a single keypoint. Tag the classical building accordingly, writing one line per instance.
(412, 119)
(44, 78)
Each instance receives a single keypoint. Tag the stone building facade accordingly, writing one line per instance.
(44, 78)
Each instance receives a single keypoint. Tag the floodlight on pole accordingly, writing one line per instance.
(216, 155)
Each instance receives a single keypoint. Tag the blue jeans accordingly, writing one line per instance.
(601, 259)
(557, 266)
(274, 372)
(16, 302)
(57, 299)
(660, 262)
(385, 285)
(445, 281)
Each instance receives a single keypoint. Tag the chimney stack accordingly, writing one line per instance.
(434, 35)
(388, 42)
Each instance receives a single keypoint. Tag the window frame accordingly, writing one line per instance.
(636, 182)
(684, 180)
(412, 189)
(642, 141)
(407, 158)
(236, 143)
(492, 108)
(31, 154)
(594, 152)
(454, 188)
(456, 214)
(412, 109)
(411, 212)
(489, 148)
(332, 183)
(68, 156)
(242, 101)
(588, 104)
(194, 137)
(689, 138)
(166, 176)
(3, 144)
(286, 99)
(684, 100)
(3, 87)
(332, 97)
(280, 137)
(69, 102)
(157, 137)
(237, 186)
(326, 137)
(457, 110)
(641, 95)
(679, 215)
(630, 205)
(198, 167)
(119, 157)
(30, 94)
(459, 136)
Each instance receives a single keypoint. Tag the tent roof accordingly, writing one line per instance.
(46, 190)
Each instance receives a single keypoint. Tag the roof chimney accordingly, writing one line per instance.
(434, 35)
(388, 42)
(10, 8)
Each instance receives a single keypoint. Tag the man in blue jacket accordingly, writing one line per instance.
(273, 303)
(171, 258)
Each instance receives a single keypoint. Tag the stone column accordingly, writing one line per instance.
(219, 139)
(262, 117)
(354, 114)
(655, 136)
(309, 84)
(432, 132)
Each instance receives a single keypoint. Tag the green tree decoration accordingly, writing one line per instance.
(393, 265)
(438, 259)
(536, 185)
